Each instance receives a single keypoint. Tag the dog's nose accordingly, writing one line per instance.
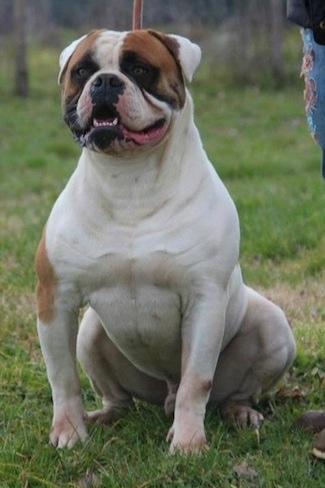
(106, 81)
(106, 88)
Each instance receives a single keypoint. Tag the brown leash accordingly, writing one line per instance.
(137, 14)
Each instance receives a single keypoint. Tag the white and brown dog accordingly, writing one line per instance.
(147, 235)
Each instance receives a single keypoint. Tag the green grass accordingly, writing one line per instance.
(260, 146)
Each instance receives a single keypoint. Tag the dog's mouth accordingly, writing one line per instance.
(106, 126)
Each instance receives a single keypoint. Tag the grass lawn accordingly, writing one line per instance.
(260, 146)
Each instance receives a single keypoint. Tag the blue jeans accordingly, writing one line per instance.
(313, 70)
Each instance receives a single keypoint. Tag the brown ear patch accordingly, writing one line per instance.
(171, 44)
(46, 286)
(161, 52)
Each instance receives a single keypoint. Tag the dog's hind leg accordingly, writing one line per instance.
(253, 361)
(113, 377)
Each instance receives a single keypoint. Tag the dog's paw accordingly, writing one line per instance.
(102, 416)
(191, 443)
(65, 432)
(68, 424)
(109, 413)
(243, 416)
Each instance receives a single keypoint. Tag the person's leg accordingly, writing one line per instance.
(319, 444)
(314, 421)
(313, 71)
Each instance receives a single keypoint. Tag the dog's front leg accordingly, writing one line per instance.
(58, 342)
(58, 305)
(202, 333)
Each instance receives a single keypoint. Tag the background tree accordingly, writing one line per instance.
(241, 39)
(20, 41)
(277, 33)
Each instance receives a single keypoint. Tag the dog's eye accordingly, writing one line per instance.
(82, 72)
(139, 71)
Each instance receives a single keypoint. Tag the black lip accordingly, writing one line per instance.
(156, 125)
(102, 137)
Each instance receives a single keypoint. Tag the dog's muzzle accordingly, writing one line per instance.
(105, 130)
(104, 125)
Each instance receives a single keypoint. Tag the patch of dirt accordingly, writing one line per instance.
(302, 304)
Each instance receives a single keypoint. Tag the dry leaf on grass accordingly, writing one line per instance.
(295, 392)
(245, 471)
(90, 480)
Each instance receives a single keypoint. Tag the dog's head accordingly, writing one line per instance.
(121, 90)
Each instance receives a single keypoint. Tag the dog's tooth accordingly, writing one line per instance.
(105, 123)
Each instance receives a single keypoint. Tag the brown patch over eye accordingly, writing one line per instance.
(79, 67)
(153, 65)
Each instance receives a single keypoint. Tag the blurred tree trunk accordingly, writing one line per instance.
(20, 40)
(277, 33)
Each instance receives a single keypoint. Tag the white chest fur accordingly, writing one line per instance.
(140, 243)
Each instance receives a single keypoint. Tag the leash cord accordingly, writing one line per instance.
(137, 14)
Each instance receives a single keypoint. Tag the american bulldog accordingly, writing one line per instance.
(146, 235)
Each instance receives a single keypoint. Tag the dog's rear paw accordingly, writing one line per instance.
(108, 414)
(243, 416)
(101, 416)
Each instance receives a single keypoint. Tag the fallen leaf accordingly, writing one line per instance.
(295, 392)
(257, 434)
(245, 471)
(318, 372)
(90, 480)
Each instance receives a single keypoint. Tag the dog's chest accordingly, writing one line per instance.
(138, 300)
(140, 274)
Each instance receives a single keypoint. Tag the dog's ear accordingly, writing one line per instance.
(186, 53)
(189, 56)
(66, 55)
